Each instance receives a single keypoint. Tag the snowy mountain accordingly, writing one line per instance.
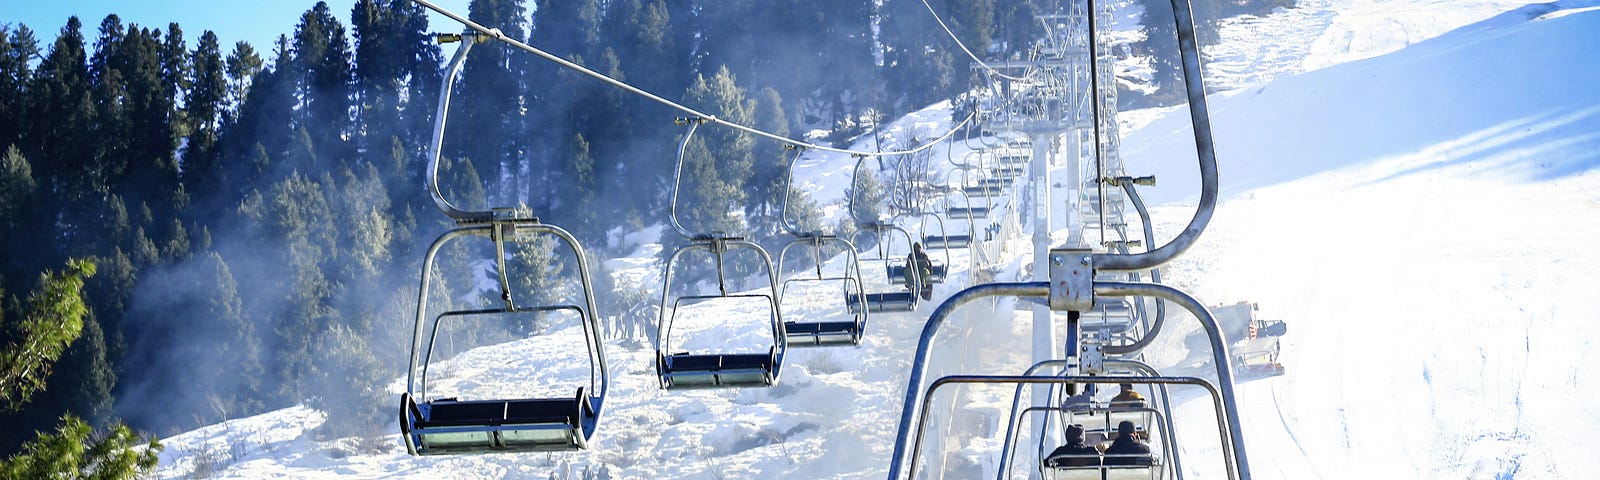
(1414, 189)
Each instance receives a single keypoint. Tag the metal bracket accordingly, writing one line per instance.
(1071, 279)
(1091, 360)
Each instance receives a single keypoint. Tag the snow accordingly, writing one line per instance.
(1412, 185)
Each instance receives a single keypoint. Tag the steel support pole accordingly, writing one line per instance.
(1045, 346)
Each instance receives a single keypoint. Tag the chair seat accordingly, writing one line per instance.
(823, 333)
(449, 426)
(685, 370)
(936, 241)
(884, 302)
(897, 273)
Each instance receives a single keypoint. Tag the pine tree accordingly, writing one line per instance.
(149, 171)
(54, 318)
(392, 54)
(1017, 25)
(719, 161)
(57, 139)
(230, 361)
(16, 187)
(17, 50)
(917, 65)
(322, 73)
(75, 451)
(771, 164)
(488, 106)
(241, 66)
(205, 103)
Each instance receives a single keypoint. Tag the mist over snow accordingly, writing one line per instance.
(1412, 185)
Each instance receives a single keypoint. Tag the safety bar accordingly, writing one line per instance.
(1164, 424)
(590, 327)
(717, 246)
(1223, 424)
(912, 407)
(1134, 365)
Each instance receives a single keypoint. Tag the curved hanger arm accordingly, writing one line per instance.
(677, 175)
(436, 145)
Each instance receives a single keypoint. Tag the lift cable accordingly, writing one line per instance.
(964, 46)
(702, 117)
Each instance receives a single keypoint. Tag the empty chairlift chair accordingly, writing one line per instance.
(822, 332)
(454, 425)
(888, 301)
(683, 370)
(953, 240)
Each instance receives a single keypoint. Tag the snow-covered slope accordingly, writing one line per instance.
(1424, 220)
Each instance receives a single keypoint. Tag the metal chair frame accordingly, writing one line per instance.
(542, 424)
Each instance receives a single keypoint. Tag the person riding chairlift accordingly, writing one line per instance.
(1073, 453)
(1128, 397)
(1126, 449)
(919, 260)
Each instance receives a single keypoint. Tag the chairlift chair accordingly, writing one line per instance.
(883, 232)
(897, 269)
(1069, 411)
(957, 240)
(685, 370)
(1107, 466)
(452, 425)
(821, 333)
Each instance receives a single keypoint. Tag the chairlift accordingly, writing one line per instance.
(883, 233)
(1106, 466)
(682, 370)
(445, 426)
(821, 333)
(957, 240)
(897, 271)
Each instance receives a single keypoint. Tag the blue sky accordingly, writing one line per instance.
(258, 22)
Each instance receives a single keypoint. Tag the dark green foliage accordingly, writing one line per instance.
(76, 451)
(57, 138)
(348, 383)
(866, 196)
(392, 53)
(917, 62)
(17, 50)
(322, 73)
(718, 161)
(771, 165)
(205, 103)
(33, 342)
(16, 186)
(242, 65)
(487, 107)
